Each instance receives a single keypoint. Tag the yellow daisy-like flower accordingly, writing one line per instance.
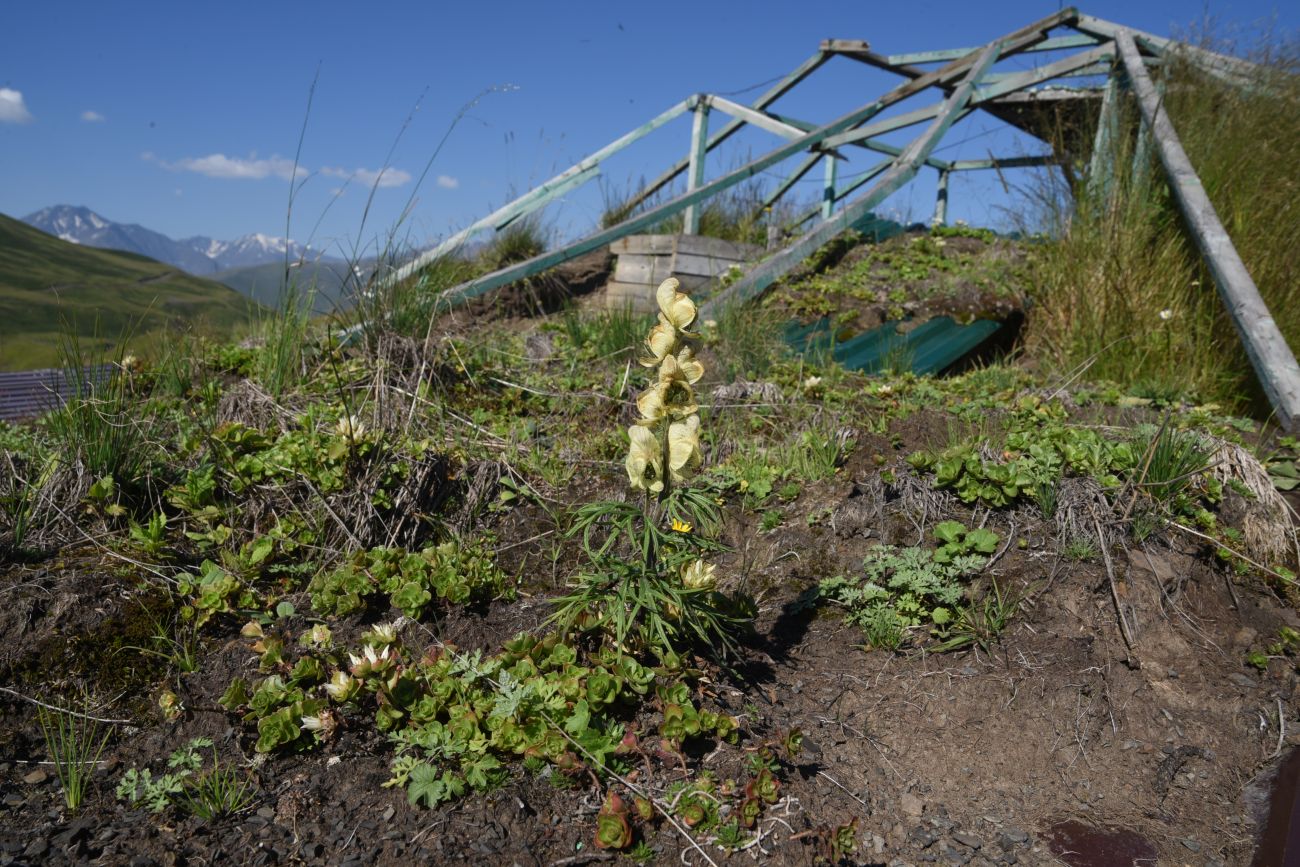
(698, 575)
(683, 447)
(677, 308)
(645, 463)
(681, 526)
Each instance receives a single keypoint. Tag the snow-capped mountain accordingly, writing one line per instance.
(197, 255)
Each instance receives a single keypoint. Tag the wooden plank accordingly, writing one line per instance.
(1056, 43)
(1273, 360)
(902, 169)
(1101, 165)
(695, 172)
(644, 244)
(798, 74)
(828, 186)
(643, 269)
(701, 245)
(755, 118)
(941, 200)
(1233, 70)
(701, 266)
(1005, 163)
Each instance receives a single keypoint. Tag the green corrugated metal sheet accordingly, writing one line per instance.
(930, 347)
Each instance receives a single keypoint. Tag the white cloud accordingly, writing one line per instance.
(389, 177)
(238, 168)
(447, 182)
(92, 116)
(12, 107)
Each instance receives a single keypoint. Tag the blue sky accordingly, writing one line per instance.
(185, 117)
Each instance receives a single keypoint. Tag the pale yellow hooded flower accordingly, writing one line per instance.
(690, 368)
(645, 462)
(671, 397)
(698, 575)
(661, 342)
(683, 447)
(677, 308)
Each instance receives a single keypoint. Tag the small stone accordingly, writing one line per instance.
(36, 777)
(952, 854)
(1010, 838)
(267, 813)
(1130, 745)
(1242, 680)
(967, 839)
(37, 848)
(911, 805)
(13, 799)
(1191, 845)
(877, 844)
(389, 813)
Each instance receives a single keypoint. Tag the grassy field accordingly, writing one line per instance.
(48, 286)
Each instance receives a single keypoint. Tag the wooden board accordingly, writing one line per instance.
(639, 268)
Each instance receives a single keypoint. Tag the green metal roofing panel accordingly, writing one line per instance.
(930, 347)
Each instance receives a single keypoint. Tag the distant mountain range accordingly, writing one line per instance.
(199, 255)
(49, 287)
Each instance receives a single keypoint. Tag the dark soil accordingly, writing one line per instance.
(957, 758)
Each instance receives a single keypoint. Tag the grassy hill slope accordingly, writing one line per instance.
(46, 282)
(265, 283)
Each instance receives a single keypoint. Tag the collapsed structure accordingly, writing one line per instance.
(967, 81)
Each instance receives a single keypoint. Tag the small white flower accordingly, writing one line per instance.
(885, 391)
(1166, 314)
(710, 323)
(812, 382)
(350, 428)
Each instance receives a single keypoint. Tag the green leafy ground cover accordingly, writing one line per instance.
(431, 545)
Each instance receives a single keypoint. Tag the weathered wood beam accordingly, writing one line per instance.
(1101, 165)
(902, 169)
(1273, 360)
(540, 195)
(1005, 163)
(1055, 43)
(941, 200)
(760, 119)
(1233, 70)
(695, 173)
(828, 186)
(782, 87)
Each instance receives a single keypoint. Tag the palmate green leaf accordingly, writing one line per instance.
(428, 786)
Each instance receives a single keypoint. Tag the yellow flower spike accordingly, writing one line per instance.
(645, 463)
(683, 447)
(698, 575)
(677, 308)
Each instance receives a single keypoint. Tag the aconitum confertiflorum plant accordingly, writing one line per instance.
(650, 586)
